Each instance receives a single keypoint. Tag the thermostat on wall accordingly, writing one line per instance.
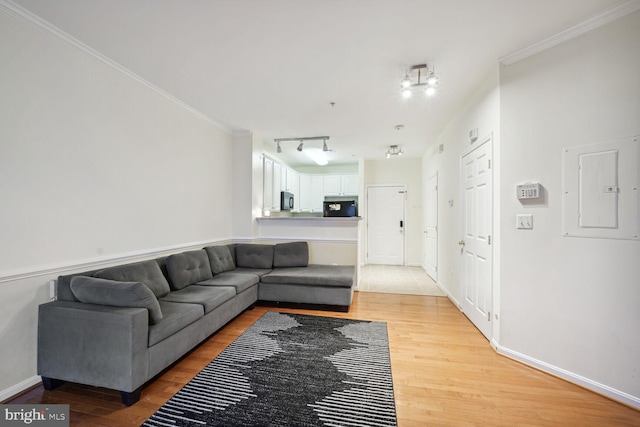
(528, 191)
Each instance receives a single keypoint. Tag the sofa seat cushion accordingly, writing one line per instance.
(147, 272)
(257, 271)
(187, 268)
(93, 290)
(254, 256)
(240, 281)
(341, 276)
(209, 297)
(293, 254)
(176, 316)
(220, 259)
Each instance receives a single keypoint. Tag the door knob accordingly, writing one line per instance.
(461, 243)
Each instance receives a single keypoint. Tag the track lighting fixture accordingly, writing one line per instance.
(301, 141)
(419, 77)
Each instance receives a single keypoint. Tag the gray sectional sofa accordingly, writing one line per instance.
(121, 326)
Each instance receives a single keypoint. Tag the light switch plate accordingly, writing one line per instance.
(524, 221)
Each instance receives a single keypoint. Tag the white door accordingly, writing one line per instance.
(385, 225)
(476, 248)
(431, 228)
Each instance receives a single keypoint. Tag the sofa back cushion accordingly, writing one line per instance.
(187, 268)
(147, 272)
(220, 259)
(93, 290)
(254, 256)
(294, 254)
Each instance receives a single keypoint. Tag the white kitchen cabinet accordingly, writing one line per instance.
(277, 185)
(279, 181)
(267, 184)
(349, 185)
(304, 201)
(341, 185)
(293, 187)
(317, 193)
(332, 185)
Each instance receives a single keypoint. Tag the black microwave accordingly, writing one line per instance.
(340, 208)
(286, 201)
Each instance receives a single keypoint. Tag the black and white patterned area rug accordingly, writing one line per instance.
(292, 370)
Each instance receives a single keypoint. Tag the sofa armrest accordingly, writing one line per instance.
(93, 344)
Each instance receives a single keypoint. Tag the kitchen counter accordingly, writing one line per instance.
(342, 229)
(310, 218)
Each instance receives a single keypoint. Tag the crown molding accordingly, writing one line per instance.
(39, 24)
(575, 31)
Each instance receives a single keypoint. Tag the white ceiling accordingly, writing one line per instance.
(274, 67)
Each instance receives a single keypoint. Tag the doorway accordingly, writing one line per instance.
(385, 224)
(475, 246)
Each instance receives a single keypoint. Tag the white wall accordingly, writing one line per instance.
(247, 184)
(93, 166)
(482, 111)
(571, 303)
(400, 171)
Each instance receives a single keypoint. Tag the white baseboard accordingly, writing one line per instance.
(449, 295)
(587, 383)
(18, 388)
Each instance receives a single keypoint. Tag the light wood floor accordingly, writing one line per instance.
(444, 374)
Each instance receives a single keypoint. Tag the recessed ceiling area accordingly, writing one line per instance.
(287, 69)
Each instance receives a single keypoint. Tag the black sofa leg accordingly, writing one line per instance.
(129, 398)
(51, 383)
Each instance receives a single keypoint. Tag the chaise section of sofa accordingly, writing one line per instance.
(294, 280)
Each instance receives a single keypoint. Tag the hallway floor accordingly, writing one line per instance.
(397, 279)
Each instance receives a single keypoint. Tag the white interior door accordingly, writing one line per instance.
(477, 207)
(385, 225)
(431, 228)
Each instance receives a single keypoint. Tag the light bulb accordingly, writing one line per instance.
(406, 82)
(406, 93)
(432, 80)
(430, 91)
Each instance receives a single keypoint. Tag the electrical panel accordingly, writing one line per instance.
(528, 191)
(600, 190)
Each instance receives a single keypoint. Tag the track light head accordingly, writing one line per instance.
(300, 146)
(278, 148)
